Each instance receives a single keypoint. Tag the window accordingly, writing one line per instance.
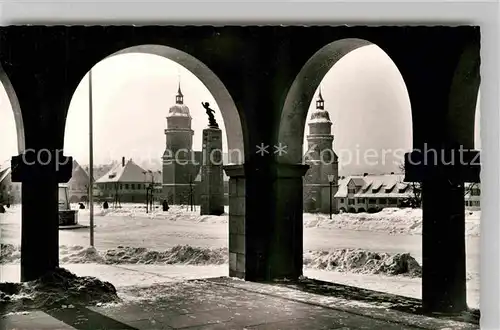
(475, 192)
(351, 190)
(372, 201)
(132, 186)
(361, 200)
(382, 201)
(342, 200)
(121, 187)
(351, 201)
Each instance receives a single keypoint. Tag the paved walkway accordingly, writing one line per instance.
(224, 303)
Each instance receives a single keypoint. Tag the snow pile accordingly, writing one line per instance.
(390, 220)
(80, 255)
(59, 288)
(9, 253)
(175, 212)
(180, 254)
(362, 261)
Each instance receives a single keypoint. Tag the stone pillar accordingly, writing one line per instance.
(212, 184)
(443, 228)
(286, 252)
(40, 216)
(237, 248)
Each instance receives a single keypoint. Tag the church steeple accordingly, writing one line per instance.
(320, 103)
(179, 98)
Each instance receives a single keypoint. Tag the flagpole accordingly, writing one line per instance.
(91, 164)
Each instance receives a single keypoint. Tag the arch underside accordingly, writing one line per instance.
(463, 97)
(16, 108)
(296, 106)
(220, 93)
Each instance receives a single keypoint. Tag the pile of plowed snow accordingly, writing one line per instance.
(180, 254)
(345, 260)
(56, 289)
(389, 220)
(175, 212)
(9, 253)
(362, 261)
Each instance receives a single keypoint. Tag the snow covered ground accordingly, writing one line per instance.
(390, 231)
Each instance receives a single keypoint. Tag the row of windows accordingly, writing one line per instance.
(475, 192)
(381, 201)
(126, 186)
(375, 191)
(13, 187)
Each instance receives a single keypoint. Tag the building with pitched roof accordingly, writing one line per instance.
(369, 193)
(356, 193)
(78, 185)
(127, 182)
(10, 192)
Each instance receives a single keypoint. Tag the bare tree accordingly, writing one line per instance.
(116, 200)
(414, 200)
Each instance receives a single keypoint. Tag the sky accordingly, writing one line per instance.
(364, 94)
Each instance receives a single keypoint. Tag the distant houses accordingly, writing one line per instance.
(127, 182)
(370, 193)
(10, 192)
(78, 185)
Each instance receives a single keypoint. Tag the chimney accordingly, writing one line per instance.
(365, 174)
(123, 161)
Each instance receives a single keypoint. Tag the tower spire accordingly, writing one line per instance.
(320, 103)
(179, 98)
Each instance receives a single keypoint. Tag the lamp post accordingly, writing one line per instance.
(153, 183)
(191, 191)
(331, 177)
(151, 190)
(145, 186)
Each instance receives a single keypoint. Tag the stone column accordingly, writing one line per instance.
(286, 252)
(212, 184)
(237, 248)
(443, 228)
(40, 216)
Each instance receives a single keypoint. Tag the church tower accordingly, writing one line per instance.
(179, 165)
(322, 161)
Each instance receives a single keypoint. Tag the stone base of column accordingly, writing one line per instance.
(286, 252)
(443, 223)
(237, 246)
(212, 182)
(443, 248)
(40, 213)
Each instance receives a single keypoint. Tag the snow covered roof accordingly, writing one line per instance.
(5, 172)
(131, 172)
(79, 174)
(179, 110)
(375, 186)
(320, 116)
(198, 176)
(342, 189)
(358, 181)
